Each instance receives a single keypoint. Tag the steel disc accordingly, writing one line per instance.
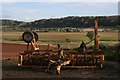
(28, 36)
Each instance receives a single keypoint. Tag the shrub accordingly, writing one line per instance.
(112, 53)
(90, 35)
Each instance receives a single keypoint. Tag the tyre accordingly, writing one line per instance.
(28, 36)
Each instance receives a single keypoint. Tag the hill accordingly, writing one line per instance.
(70, 21)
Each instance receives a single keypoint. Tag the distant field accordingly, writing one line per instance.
(108, 35)
(75, 38)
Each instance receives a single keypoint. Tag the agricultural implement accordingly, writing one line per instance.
(55, 59)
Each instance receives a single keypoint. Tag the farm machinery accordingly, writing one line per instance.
(55, 58)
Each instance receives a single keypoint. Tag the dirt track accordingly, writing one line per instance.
(10, 69)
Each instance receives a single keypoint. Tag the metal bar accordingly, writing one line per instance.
(33, 66)
(71, 67)
(96, 35)
(79, 66)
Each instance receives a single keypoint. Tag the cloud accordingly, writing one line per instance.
(30, 11)
(4, 14)
(60, 0)
(7, 1)
(119, 8)
(96, 8)
(23, 11)
(28, 19)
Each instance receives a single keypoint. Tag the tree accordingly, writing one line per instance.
(90, 35)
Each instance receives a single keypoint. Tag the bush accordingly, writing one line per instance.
(90, 35)
(112, 53)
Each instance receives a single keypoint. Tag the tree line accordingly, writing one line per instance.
(70, 21)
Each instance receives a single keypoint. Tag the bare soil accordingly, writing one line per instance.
(11, 70)
(11, 50)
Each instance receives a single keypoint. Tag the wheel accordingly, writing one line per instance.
(28, 36)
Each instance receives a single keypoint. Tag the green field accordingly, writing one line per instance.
(54, 38)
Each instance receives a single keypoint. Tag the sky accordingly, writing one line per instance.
(44, 9)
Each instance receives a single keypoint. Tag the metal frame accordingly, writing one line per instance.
(97, 58)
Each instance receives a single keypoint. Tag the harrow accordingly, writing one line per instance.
(55, 59)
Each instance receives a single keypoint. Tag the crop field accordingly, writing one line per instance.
(71, 38)
(63, 35)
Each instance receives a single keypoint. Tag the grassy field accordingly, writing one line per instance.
(61, 36)
(54, 38)
(108, 36)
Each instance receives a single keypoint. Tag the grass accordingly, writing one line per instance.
(63, 35)
(108, 36)
(59, 37)
(75, 38)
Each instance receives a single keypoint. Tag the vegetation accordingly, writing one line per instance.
(90, 35)
(107, 40)
(70, 21)
(63, 37)
(112, 52)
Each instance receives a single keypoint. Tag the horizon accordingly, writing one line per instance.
(32, 11)
(57, 18)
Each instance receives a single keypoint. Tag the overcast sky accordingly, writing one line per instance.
(29, 11)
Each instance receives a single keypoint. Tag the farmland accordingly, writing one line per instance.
(71, 38)
(68, 40)
(10, 69)
(10, 52)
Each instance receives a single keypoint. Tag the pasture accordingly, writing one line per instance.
(60, 37)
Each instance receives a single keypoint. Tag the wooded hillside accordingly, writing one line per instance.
(70, 21)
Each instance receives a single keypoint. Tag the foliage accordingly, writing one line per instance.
(70, 21)
(90, 35)
(112, 53)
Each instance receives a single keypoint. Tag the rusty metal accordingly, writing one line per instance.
(30, 37)
(62, 58)
(73, 67)
(96, 34)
